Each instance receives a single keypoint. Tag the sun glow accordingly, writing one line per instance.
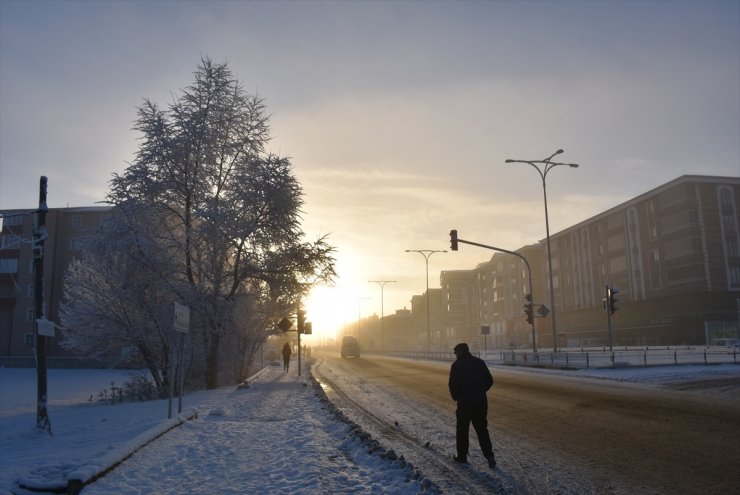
(328, 310)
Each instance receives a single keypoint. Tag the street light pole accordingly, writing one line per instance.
(548, 165)
(427, 253)
(382, 283)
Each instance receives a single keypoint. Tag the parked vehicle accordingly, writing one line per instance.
(350, 347)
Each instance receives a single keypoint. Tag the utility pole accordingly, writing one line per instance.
(39, 237)
(382, 283)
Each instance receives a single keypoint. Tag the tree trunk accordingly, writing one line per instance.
(212, 361)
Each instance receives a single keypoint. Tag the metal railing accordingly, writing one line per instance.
(629, 356)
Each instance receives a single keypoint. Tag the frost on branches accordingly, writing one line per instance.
(204, 216)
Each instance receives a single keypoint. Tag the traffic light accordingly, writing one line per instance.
(453, 240)
(529, 309)
(301, 314)
(613, 299)
(308, 328)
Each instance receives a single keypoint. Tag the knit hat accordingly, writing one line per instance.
(462, 347)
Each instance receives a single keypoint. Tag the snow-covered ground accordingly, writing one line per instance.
(277, 436)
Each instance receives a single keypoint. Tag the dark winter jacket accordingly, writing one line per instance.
(470, 379)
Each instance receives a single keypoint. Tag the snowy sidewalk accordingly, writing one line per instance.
(276, 436)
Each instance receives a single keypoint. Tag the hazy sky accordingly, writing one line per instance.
(398, 116)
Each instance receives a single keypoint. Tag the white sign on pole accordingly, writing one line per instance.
(182, 318)
(45, 327)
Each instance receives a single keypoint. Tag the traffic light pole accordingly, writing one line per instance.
(454, 240)
(608, 315)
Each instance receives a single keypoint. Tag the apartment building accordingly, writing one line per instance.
(673, 252)
(66, 228)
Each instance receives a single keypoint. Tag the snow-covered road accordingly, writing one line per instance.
(643, 430)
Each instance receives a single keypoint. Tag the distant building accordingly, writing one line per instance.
(66, 228)
(460, 298)
(432, 333)
(503, 284)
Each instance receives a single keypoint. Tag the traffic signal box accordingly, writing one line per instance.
(613, 299)
(529, 309)
(453, 240)
(301, 314)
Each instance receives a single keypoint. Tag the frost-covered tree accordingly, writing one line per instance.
(229, 214)
(119, 293)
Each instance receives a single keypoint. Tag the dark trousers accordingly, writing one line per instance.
(286, 363)
(478, 415)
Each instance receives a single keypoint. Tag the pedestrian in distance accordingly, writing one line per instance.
(286, 356)
(470, 379)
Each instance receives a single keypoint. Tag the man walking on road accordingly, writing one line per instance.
(470, 379)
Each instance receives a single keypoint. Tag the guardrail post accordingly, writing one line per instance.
(705, 356)
(644, 358)
(675, 357)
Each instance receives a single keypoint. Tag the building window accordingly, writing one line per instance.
(9, 242)
(652, 227)
(30, 315)
(8, 265)
(614, 221)
(29, 290)
(680, 221)
(686, 246)
(615, 242)
(618, 265)
(12, 220)
(686, 273)
(653, 261)
(28, 339)
(76, 221)
(673, 197)
(734, 275)
(76, 244)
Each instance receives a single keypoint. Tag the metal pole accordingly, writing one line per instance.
(429, 331)
(608, 317)
(427, 253)
(549, 267)
(382, 283)
(40, 234)
(547, 166)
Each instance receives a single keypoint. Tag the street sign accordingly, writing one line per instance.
(45, 327)
(182, 318)
(285, 324)
(542, 311)
(485, 330)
